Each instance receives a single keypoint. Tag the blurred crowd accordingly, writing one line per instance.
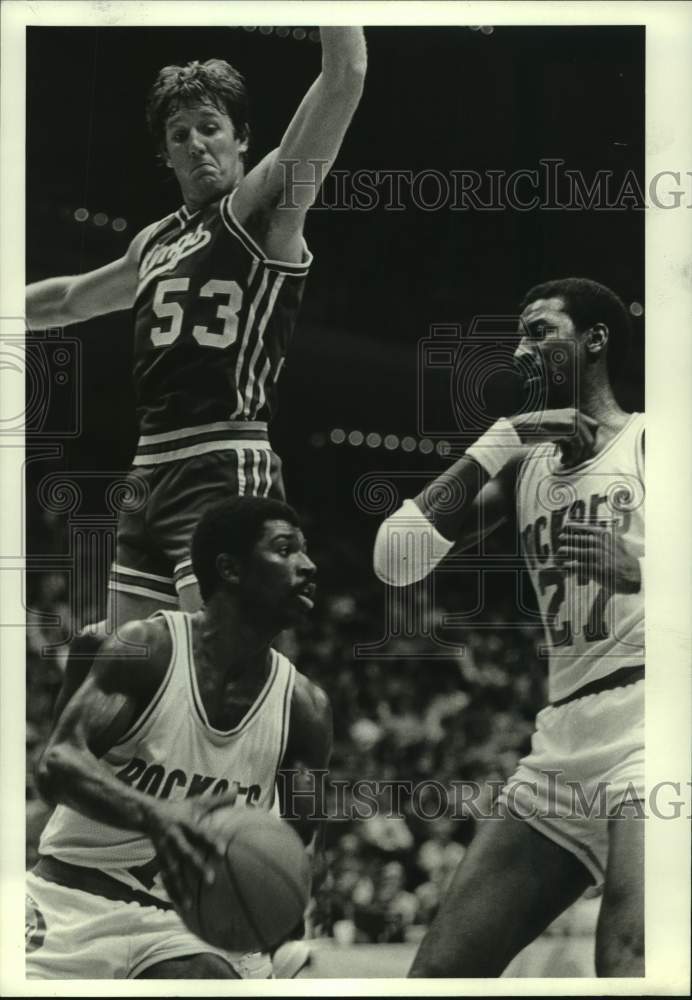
(406, 709)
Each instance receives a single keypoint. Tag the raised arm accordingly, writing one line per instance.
(286, 182)
(75, 298)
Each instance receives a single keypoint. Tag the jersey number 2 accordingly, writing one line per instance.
(595, 628)
(227, 311)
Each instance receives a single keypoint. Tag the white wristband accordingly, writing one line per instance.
(496, 447)
(408, 546)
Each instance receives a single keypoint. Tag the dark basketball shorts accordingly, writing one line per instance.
(153, 538)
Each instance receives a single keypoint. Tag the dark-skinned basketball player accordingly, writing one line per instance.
(571, 476)
(214, 288)
(143, 750)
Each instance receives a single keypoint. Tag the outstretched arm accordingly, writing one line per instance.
(286, 182)
(79, 297)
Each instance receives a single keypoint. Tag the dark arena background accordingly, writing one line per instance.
(416, 696)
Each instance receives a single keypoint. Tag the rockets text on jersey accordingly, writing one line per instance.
(591, 631)
(172, 752)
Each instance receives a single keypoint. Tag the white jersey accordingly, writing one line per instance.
(172, 752)
(591, 631)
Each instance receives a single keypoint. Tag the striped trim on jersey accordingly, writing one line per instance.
(254, 371)
(223, 435)
(183, 575)
(253, 474)
(135, 581)
(233, 225)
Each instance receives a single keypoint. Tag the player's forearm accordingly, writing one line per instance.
(447, 500)
(344, 55)
(47, 303)
(416, 537)
(73, 777)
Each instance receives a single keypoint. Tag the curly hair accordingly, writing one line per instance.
(588, 303)
(234, 527)
(213, 82)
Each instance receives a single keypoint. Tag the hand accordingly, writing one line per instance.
(569, 428)
(597, 553)
(184, 844)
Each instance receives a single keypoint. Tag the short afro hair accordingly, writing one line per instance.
(234, 528)
(588, 303)
(212, 82)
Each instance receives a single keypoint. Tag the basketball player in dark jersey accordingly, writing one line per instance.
(139, 756)
(215, 288)
(572, 480)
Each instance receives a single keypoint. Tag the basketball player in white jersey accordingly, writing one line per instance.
(575, 489)
(212, 713)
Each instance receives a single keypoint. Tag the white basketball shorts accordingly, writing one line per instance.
(585, 768)
(71, 934)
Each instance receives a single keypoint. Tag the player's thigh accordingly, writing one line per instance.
(201, 966)
(620, 931)
(74, 935)
(140, 581)
(511, 884)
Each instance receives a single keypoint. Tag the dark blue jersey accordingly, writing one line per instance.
(213, 322)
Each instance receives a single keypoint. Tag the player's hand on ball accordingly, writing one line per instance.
(573, 430)
(184, 843)
(597, 553)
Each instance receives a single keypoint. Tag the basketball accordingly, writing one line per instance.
(262, 883)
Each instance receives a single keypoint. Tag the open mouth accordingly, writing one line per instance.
(306, 595)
